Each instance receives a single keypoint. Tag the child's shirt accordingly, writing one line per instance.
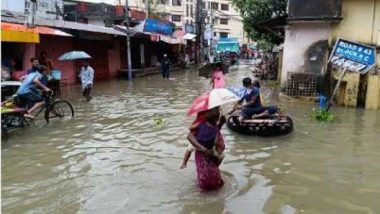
(28, 84)
(250, 93)
(206, 135)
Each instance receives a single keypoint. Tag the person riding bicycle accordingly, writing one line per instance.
(28, 91)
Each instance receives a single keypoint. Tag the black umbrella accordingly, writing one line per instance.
(206, 70)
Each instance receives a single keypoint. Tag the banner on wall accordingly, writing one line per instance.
(157, 26)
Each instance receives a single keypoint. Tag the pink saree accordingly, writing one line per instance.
(209, 177)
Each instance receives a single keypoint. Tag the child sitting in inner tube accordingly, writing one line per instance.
(253, 107)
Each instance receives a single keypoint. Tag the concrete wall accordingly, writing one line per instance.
(361, 23)
(310, 40)
(376, 24)
(357, 23)
(373, 92)
(29, 52)
(114, 63)
(348, 92)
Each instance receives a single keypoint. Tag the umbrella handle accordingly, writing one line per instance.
(230, 112)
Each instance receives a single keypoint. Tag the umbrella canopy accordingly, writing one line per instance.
(74, 55)
(241, 92)
(206, 70)
(238, 91)
(211, 99)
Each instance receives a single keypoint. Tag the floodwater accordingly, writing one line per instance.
(112, 158)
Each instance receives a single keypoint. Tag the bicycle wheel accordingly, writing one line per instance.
(60, 109)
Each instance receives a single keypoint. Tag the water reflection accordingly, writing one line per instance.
(111, 158)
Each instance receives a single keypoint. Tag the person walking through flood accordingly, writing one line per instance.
(46, 61)
(206, 136)
(190, 148)
(165, 66)
(87, 78)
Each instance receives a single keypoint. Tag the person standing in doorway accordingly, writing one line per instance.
(46, 61)
(165, 67)
(87, 78)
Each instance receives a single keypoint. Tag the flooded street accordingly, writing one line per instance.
(112, 158)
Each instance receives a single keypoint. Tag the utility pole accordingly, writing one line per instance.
(198, 29)
(211, 31)
(147, 8)
(129, 62)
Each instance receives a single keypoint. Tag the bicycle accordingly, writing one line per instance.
(13, 110)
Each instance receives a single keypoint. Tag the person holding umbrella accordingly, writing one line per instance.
(86, 73)
(87, 78)
(206, 138)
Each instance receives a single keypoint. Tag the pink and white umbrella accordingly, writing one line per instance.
(211, 99)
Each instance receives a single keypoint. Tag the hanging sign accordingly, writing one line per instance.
(189, 28)
(157, 26)
(208, 33)
(353, 56)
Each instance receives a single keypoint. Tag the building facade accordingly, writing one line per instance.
(310, 35)
(224, 17)
(226, 22)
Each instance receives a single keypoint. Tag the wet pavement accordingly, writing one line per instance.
(112, 158)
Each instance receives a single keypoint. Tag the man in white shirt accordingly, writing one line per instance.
(87, 78)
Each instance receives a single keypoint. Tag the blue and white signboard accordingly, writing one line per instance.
(353, 56)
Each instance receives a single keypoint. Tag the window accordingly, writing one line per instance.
(224, 7)
(187, 10)
(191, 10)
(176, 18)
(176, 2)
(214, 5)
(163, 2)
(224, 21)
(223, 35)
(215, 34)
(203, 5)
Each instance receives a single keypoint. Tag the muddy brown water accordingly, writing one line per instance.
(112, 158)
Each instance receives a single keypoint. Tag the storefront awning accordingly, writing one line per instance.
(189, 36)
(61, 24)
(17, 36)
(20, 33)
(170, 40)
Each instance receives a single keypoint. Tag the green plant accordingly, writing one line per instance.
(159, 122)
(255, 12)
(323, 115)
